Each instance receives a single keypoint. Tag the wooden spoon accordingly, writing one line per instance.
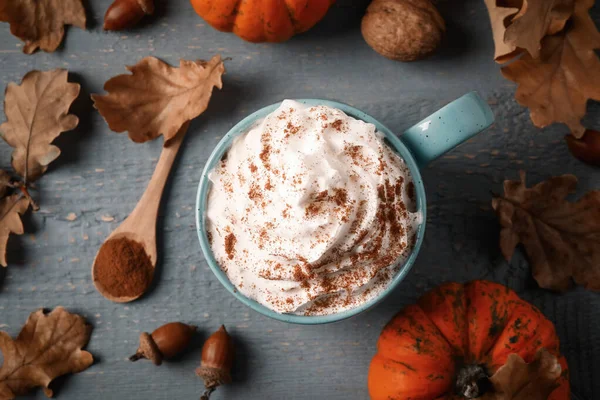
(140, 225)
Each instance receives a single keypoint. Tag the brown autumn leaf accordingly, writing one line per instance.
(536, 19)
(561, 238)
(500, 16)
(48, 346)
(11, 209)
(37, 112)
(41, 23)
(557, 85)
(517, 380)
(157, 98)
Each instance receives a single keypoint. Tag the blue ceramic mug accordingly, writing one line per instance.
(418, 146)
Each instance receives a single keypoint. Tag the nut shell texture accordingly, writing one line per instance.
(403, 30)
(173, 338)
(586, 149)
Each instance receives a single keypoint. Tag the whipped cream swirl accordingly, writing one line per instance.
(310, 212)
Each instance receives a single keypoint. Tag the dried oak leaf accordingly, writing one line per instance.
(561, 238)
(157, 98)
(557, 85)
(536, 19)
(48, 346)
(41, 23)
(517, 380)
(37, 112)
(11, 209)
(500, 17)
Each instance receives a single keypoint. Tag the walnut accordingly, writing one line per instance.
(403, 30)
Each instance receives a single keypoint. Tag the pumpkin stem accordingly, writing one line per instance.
(472, 381)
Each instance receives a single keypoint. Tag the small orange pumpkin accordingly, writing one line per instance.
(262, 20)
(457, 329)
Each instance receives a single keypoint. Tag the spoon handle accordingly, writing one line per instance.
(143, 218)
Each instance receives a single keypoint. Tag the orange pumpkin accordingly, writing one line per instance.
(262, 20)
(458, 330)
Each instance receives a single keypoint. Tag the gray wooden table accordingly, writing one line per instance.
(101, 175)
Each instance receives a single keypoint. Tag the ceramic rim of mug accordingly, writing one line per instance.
(245, 126)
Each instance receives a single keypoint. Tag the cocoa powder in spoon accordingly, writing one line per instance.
(123, 268)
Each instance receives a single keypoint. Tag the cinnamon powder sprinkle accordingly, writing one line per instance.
(299, 274)
(340, 196)
(255, 193)
(264, 238)
(382, 165)
(399, 184)
(264, 155)
(355, 152)
(268, 185)
(286, 212)
(321, 195)
(291, 129)
(337, 289)
(337, 125)
(322, 303)
(313, 209)
(230, 245)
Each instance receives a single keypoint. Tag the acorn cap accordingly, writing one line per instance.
(148, 349)
(213, 377)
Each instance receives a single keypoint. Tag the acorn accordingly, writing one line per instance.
(165, 342)
(125, 14)
(587, 148)
(217, 359)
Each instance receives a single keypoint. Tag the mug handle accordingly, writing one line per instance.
(448, 127)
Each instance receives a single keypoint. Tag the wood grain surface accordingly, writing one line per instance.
(101, 175)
